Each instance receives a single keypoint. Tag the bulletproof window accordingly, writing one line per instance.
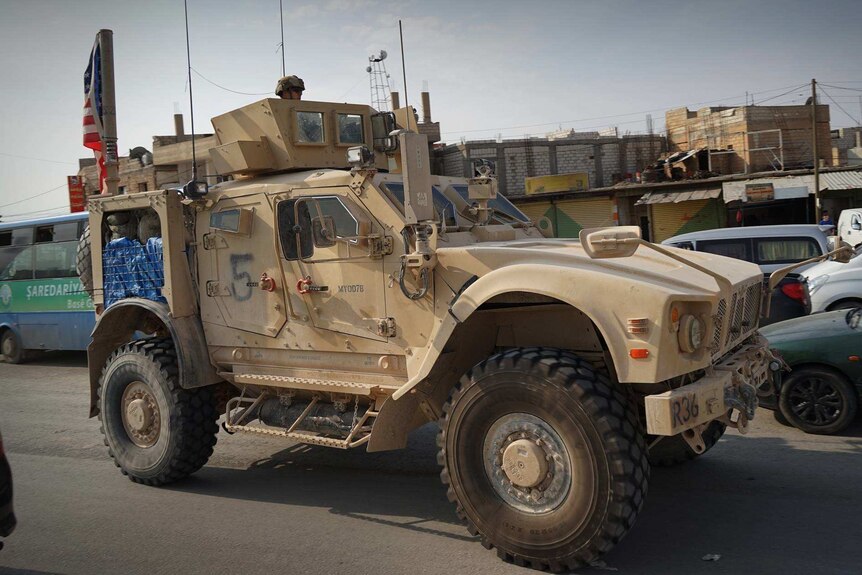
(344, 223)
(55, 260)
(500, 205)
(309, 127)
(444, 208)
(350, 129)
(295, 229)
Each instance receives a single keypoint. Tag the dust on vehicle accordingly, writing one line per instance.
(336, 293)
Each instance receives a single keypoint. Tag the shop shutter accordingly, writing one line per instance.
(541, 213)
(575, 215)
(671, 219)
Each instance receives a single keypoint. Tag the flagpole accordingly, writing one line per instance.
(109, 111)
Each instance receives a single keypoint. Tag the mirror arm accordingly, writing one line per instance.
(722, 281)
(779, 274)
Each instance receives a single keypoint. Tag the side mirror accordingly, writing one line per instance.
(323, 231)
(617, 242)
(383, 124)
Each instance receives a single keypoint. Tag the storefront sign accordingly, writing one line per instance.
(759, 192)
(77, 200)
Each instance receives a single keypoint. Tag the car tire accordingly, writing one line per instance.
(10, 347)
(562, 411)
(818, 400)
(156, 431)
(674, 450)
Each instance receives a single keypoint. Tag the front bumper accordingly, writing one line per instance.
(732, 384)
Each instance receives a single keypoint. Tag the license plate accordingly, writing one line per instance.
(673, 412)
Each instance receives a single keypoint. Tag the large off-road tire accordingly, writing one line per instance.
(10, 347)
(818, 400)
(156, 431)
(675, 450)
(84, 262)
(536, 421)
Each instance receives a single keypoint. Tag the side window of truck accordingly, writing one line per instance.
(739, 248)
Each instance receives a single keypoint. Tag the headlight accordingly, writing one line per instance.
(690, 333)
(816, 283)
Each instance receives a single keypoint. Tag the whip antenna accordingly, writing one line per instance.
(281, 17)
(194, 188)
(403, 68)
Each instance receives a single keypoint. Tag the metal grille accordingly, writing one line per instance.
(734, 302)
(130, 269)
(752, 306)
(718, 321)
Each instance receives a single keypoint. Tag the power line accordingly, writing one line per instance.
(37, 159)
(228, 89)
(32, 214)
(780, 95)
(839, 87)
(839, 106)
(31, 197)
(558, 122)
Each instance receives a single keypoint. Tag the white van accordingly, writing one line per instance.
(850, 226)
(770, 247)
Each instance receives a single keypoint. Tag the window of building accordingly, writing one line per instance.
(142, 187)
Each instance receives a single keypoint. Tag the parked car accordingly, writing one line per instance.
(7, 514)
(822, 392)
(850, 226)
(835, 285)
(770, 247)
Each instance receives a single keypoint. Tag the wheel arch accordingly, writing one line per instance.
(832, 305)
(118, 324)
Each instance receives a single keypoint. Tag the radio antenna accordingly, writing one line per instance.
(281, 17)
(191, 100)
(403, 67)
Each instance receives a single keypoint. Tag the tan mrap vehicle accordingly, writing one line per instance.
(336, 293)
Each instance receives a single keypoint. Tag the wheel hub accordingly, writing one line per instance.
(141, 416)
(527, 463)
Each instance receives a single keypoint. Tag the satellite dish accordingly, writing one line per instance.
(383, 54)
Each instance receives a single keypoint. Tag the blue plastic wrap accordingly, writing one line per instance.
(133, 270)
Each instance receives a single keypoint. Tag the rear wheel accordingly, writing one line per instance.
(675, 450)
(818, 400)
(10, 347)
(156, 431)
(543, 458)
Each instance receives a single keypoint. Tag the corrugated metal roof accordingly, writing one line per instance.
(841, 181)
(677, 197)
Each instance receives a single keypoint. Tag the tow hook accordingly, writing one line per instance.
(743, 398)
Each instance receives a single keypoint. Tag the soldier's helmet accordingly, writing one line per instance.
(289, 82)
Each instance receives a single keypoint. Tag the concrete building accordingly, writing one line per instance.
(749, 139)
(847, 146)
(605, 159)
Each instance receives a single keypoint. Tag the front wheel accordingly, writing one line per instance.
(543, 458)
(817, 400)
(156, 431)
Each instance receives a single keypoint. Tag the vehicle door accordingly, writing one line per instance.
(850, 227)
(241, 243)
(330, 245)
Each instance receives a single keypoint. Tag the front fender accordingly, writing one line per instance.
(118, 325)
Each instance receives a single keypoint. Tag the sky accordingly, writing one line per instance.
(494, 68)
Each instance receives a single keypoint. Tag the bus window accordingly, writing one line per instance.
(55, 260)
(66, 232)
(22, 237)
(16, 263)
(44, 234)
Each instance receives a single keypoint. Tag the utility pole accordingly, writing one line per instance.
(109, 112)
(814, 148)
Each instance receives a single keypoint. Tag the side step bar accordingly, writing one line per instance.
(322, 385)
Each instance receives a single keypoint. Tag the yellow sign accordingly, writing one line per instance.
(576, 181)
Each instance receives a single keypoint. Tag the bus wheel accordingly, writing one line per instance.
(543, 458)
(84, 262)
(10, 347)
(156, 431)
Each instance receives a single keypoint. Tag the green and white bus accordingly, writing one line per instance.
(43, 305)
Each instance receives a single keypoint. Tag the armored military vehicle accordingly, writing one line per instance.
(335, 292)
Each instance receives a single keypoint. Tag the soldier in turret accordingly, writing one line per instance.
(290, 88)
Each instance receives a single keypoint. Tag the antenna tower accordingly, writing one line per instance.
(378, 81)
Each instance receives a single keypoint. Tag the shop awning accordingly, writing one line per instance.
(783, 188)
(841, 181)
(677, 197)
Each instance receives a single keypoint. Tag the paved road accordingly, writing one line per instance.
(775, 501)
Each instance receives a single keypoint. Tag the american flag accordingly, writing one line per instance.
(93, 110)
